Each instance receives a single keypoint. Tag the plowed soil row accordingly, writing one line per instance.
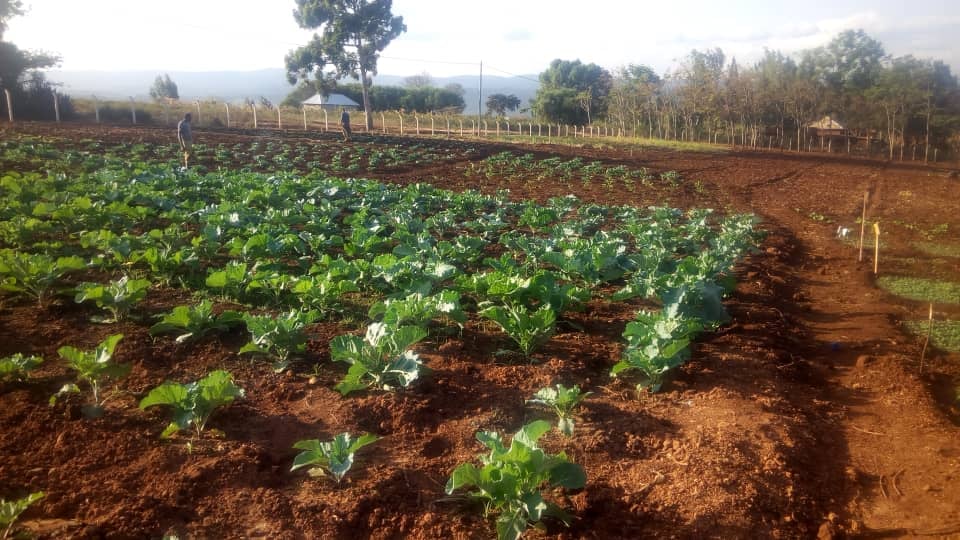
(804, 416)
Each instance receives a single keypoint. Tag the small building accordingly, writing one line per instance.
(827, 127)
(331, 102)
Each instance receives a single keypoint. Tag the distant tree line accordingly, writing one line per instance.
(418, 98)
(902, 101)
(20, 74)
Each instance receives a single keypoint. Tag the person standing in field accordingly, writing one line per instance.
(185, 136)
(345, 123)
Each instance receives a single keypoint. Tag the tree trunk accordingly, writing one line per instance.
(368, 118)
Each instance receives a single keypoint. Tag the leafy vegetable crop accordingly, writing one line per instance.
(194, 321)
(194, 403)
(510, 479)
(11, 510)
(380, 359)
(334, 457)
(16, 367)
(563, 401)
(34, 275)
(117, 297)
(95, 368)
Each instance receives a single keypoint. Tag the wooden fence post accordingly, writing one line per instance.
(133, 111)
(400, 115)
(432, 131)
(254, 107)
(326, 120)
(197, 103)
(486, 132)
(863, 223)
(461, 126)
(227, 107)
(279, 121)
(876, 247)
(497, 124)
(383, 122)
(56, 106)
(96, 109)
(304, 118)
(416, 119)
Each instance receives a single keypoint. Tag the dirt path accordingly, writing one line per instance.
(903, 454)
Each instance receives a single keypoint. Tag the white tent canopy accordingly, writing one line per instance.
(333, 101)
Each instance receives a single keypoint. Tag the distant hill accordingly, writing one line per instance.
(271, 83)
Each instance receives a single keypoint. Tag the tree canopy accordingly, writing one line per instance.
(164, 88)
(352, 34)
(572, 92)
(499, 104)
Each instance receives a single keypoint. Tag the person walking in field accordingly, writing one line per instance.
(345, 123)
(185, 136)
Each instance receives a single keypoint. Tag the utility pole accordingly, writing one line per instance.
(480, 99)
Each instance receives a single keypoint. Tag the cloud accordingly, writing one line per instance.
(517, 34)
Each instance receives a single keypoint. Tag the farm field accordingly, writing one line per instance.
(797, 409)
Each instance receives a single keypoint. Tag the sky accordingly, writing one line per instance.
(451, 37)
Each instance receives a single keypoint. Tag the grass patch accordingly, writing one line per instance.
(924, 290)
(945, 335)
(938, 250)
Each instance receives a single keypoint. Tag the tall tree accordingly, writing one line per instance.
(420, 80)
(352, 35)
(164, 88)
(572, 92)
(501, 103)
(8, 10)
(632, 98)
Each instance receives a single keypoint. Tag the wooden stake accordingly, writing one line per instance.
(926, 342)
(863, 223)
(876, 247)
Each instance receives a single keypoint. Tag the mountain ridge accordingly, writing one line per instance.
(270, 83)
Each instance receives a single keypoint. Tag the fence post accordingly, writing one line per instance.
(539, 130)
(432, 131)
(279, 121)
(227, 106)
(96, 109)
(133, 111)
(486, 131)
(447, 118)
(400, 115)
(56, 106)
(474, 126)
(416, 118)
(383, 122)
(10, 105)
(197, 103)
(254, 107)
(326, 124)
(304, 118)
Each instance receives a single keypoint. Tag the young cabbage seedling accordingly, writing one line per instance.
(195, 321)
(117, 297)
(380, 359)
(11, 510)
(334, 457)
(563, 400)
(34, 275)
(530, 329)
(193, 403)
(510, 479)
(15, 367)
(280, 337)
(93, 367)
